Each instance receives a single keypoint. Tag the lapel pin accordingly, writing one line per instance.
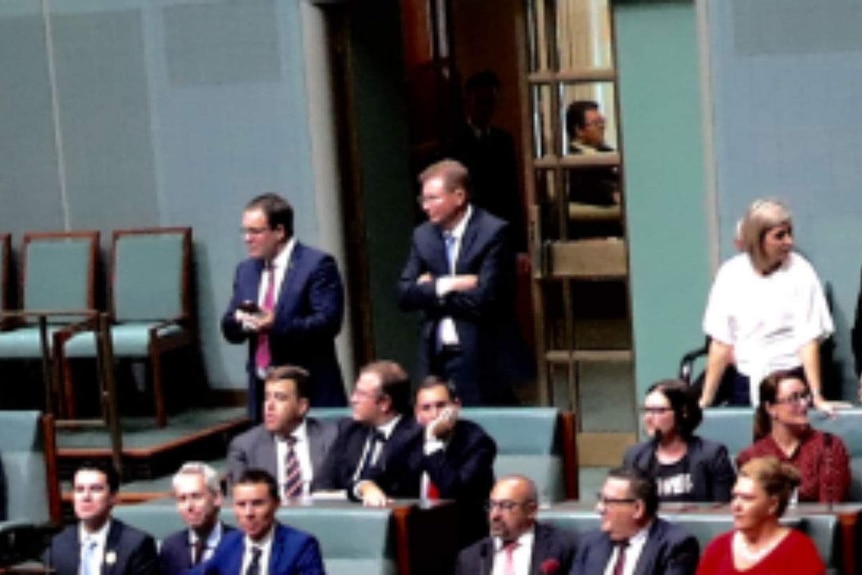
(110, 557)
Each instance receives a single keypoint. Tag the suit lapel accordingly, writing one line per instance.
(315, 448)
(289, 281)
(277, 549)
(470, 233)
(539, 549)
(646, 561)
(112, 552)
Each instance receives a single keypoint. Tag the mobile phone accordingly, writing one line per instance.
(249, 306)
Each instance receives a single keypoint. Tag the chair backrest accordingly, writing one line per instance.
(848, 426)
(59, 271)
(151, 273)
(28, 453)
(731, 426)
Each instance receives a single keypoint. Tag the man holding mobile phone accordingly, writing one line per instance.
(288, 304)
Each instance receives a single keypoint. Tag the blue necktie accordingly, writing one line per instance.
(449, 240)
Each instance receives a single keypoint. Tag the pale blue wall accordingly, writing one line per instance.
(170, 113)
(665, 188)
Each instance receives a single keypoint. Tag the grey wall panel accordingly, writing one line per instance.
(104, 119)
(29, 185)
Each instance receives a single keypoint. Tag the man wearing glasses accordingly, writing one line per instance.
(288, 303)
(599, 185)
(370, 457)
(517, 545)
(632, 538)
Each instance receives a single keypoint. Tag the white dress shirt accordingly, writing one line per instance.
(265, 546)
(633, 552)
(446, 332)
(101, 538)
(279, 267)
(521, 555)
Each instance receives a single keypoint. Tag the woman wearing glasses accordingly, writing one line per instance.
(766, 311)
(781, 424)
(684, 466)
(758, 543)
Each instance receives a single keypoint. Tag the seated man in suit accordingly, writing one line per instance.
(632, 538)
(518, 544)
(370, 456)
(199, 499)
(456, 457)
(261, 545)
(289, 445)
(99, 544)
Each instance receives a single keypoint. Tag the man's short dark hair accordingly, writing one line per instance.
(297, 375)
(642, 487)
(255, 476)
(433, 381)
(576, 115)
(277, 210)
(104, 467)
(394, 383)
(486, 79)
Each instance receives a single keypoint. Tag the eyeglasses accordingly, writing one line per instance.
(798, 397)
(253, 231)
(366, 394)
(655, 410)
(506, 505)
(613, 500)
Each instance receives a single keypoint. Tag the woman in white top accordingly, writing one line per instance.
(766, 310)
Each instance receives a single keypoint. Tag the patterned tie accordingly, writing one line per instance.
(292, 471)
(509, 559)
(262, 356)
(619, 566)
(89, 560)
(254, 565)
(375, 436)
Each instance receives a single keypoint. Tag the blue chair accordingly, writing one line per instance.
(58, 278)
(150, 306)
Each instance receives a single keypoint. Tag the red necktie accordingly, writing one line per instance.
(619, 566)
(432, 493)
(509, 565)
(262, 356)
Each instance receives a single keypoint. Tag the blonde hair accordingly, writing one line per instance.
(762, 216)
(776, 478)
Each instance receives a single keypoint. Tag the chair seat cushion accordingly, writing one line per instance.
(128, 339)
(23, 343)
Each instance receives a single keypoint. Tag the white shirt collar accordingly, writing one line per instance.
(458, 231)
(525, 540)
(387, 428)
(100, 536)
(300, 434)
(283, 258)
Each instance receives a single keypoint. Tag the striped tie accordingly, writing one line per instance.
(292, 471)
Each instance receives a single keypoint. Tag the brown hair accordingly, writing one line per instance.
(453, 174)
(768, 395)
(777, 479)
(394, 382)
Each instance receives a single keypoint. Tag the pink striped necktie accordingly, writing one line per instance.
(262, 355)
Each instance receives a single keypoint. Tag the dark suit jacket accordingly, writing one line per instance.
(308, 315)
(712, 474)
(256, 449)
(175, 555)
(483, 316)
(393, 472)
(549, 543)
(127, 551)
(669, 550)
(293, 553)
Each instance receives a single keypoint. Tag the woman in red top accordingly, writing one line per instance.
(758, 543)
(781, 424)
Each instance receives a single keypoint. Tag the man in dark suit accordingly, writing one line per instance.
(370, 458)
(460, 275)
(456, 457)
(262, 546)
(632, 538)
(99, 544)
(289, 445)
(198, 496)
(518, 544)
(288, 303)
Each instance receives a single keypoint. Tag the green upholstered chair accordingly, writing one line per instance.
(150, 305)
(28, 452)
(57, 281)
